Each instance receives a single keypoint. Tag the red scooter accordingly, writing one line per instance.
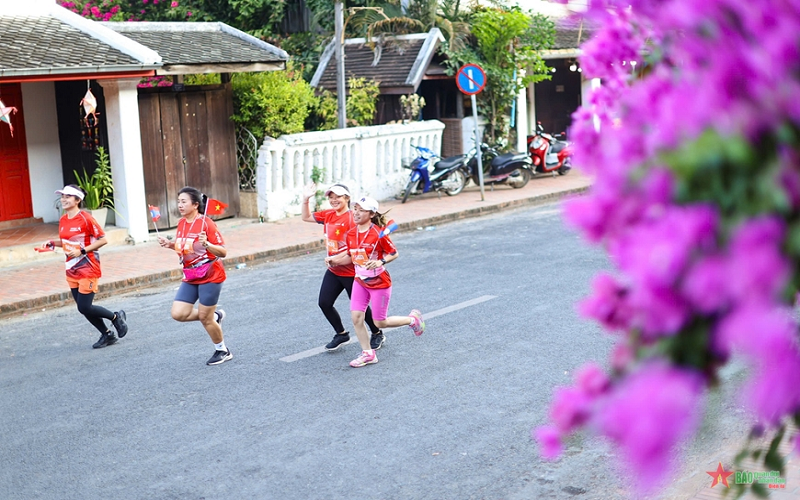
(548, 153)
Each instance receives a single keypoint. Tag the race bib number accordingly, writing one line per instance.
(69, 247)
(333, 247)
(360, 257)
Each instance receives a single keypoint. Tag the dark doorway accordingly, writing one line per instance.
(79, 150)
(556, 99)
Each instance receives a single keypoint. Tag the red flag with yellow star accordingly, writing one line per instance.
(215, 207)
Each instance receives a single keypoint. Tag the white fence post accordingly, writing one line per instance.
(366, 159)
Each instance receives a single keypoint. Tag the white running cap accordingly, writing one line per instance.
(367, 203)
(338, 190)
(71, 191)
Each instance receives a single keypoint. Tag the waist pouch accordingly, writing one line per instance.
(198, 272)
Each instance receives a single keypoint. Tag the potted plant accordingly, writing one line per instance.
(98, 187)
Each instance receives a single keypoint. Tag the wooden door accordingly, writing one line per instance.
(189, 139)
(15, 183)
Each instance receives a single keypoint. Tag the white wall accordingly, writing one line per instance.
(44, 153)
(366, 159)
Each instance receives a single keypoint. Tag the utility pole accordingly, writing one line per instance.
(341, 89)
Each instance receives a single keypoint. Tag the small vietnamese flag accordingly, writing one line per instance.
(155, 212)
(215, 207)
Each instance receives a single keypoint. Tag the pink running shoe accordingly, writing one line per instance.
(364, 359)
(417, 324)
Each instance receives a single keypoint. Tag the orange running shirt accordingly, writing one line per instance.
(76, 233)
(368, 246)
(336, 227)
(192, 252)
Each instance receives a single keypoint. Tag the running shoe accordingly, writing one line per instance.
(417, 324)
(219, 357)
(364, 359)
(376, 341)
(338, 340)
(120, 324)
(105, 340)
(219, 316)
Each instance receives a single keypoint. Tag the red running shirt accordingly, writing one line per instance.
(368, 246)
(336, 227)
(76, 233)
(192, 252)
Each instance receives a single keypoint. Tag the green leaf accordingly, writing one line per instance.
(759, 490)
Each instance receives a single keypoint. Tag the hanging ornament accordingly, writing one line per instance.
(90, 130)
(89, 103)
(5, 115)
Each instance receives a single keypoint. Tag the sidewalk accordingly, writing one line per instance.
(39, 284)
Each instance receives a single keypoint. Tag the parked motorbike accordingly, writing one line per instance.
(430, 173)
(514, 169)
(549, 153)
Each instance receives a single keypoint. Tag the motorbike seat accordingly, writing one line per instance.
(557, 146)
(448, 163)
(509, 157)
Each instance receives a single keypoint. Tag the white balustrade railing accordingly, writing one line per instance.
(366, 159)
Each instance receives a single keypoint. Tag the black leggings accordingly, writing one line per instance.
(94, 314)
(332, 286)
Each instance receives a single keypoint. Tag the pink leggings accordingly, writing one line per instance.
(378, 298)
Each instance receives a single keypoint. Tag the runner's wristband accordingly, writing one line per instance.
(383, 262)
(83, 251)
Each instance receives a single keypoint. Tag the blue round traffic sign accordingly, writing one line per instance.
(471, 79)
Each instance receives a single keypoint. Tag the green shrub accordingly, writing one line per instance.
(272, 103)
(202, 79)
(361, 105)
(99, 186)
(363, 100)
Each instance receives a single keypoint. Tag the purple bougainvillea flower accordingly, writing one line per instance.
(549, 439)
(705, 284)
(772, 391)
(755, 254)
(592, 380)
(622, 356)
(659, 311)
(607, 304)
(570, 408)
(647, 415)
(755, 329)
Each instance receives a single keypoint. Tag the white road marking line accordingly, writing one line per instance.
(318, 350)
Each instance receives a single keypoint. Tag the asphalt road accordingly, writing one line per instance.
(443, 416)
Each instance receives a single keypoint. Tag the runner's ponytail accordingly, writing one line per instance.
(379, 219)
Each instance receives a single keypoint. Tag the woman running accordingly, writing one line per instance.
(80, 236)
(370, 252)
(338, 220)
(199, 246)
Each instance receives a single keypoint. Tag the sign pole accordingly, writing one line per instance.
(471, 79)
(478, 151)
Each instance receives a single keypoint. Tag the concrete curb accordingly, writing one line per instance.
(155, 279)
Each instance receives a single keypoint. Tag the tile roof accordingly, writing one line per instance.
(570, 34)
(394, 63)
(391, 71)
(38, 44)
(200, 43)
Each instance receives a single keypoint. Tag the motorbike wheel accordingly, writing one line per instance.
(411, 186)
(519, 178)
(455, 183)
(566, 167)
